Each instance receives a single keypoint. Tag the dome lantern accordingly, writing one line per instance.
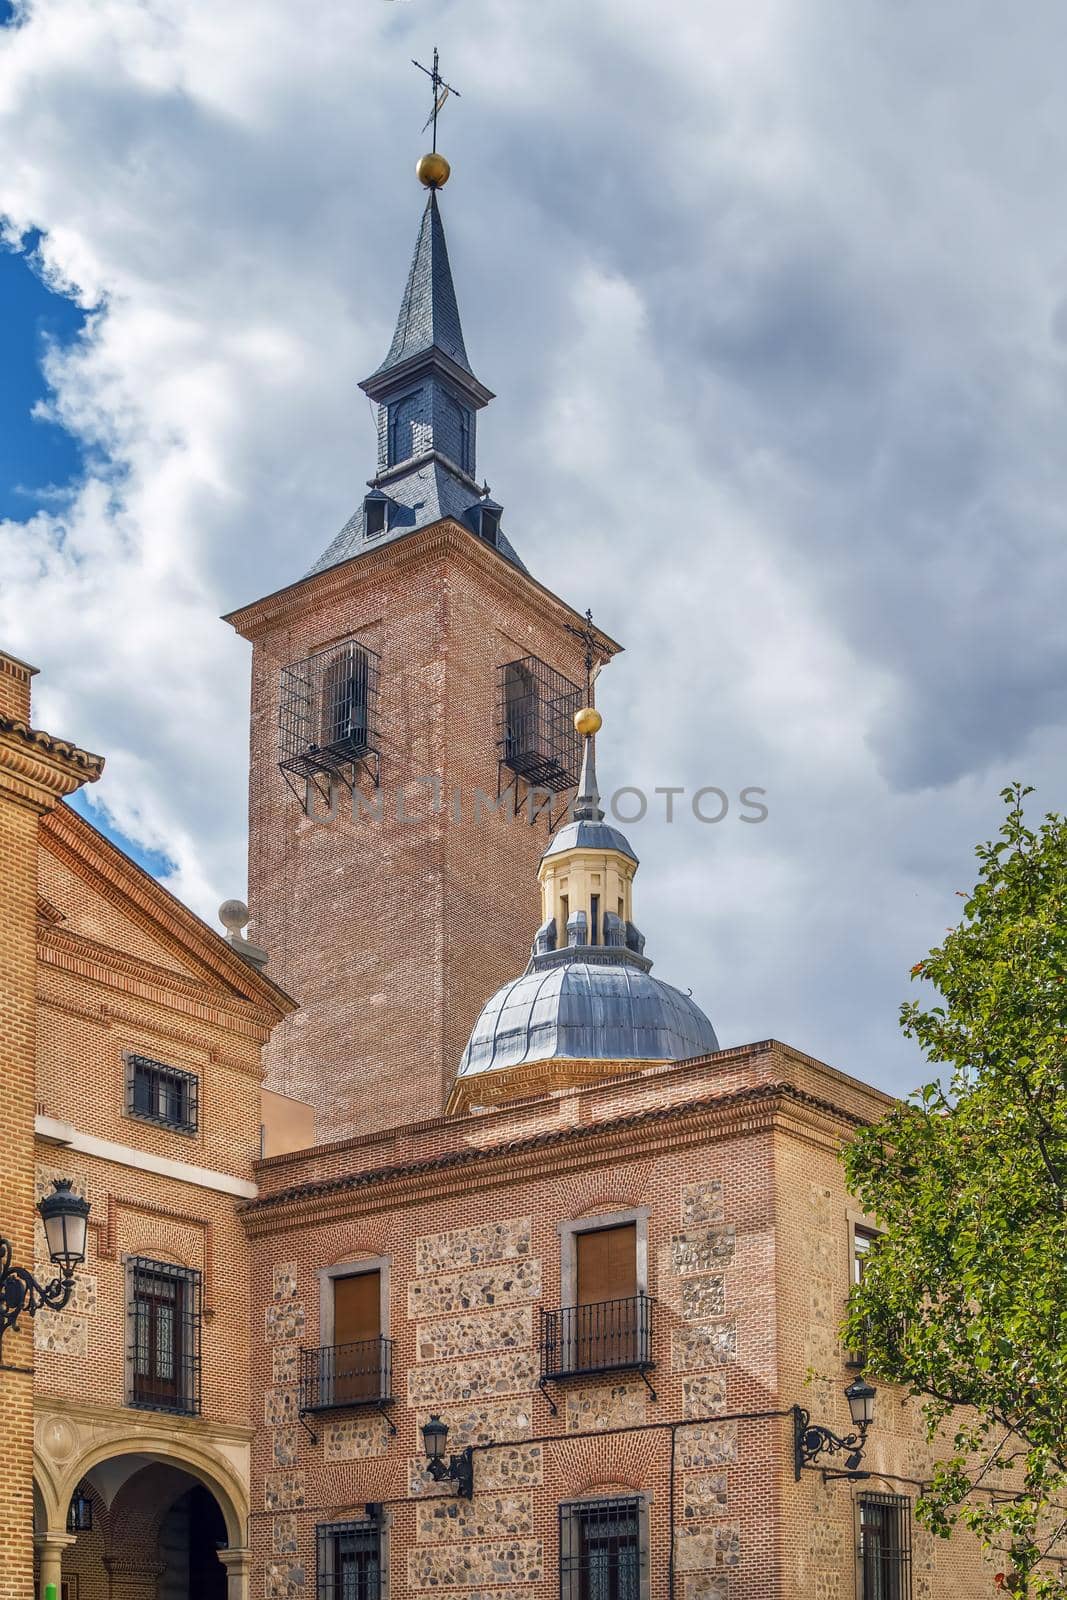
(587, 1007)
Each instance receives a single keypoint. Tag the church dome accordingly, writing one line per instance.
(586, 1009)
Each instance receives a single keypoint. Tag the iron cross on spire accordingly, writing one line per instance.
(441, 91)
(588, 637)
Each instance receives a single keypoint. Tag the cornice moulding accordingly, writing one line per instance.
(99, 963)
(37, 770)
(320, 588)
(155, 911)
(744, 1112)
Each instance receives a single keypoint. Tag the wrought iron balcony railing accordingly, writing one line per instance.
(339, 1375)
(608, 1336)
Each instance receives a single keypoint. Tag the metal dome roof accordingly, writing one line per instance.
(585, 834)
(586, 1010)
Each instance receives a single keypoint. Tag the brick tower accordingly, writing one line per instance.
(414, 675)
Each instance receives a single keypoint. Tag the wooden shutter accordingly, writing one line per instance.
(356, 1329)
(607, 1264)
(604, 1320)
(357, 1305)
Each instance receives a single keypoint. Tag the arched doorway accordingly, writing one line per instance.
(145, 1524)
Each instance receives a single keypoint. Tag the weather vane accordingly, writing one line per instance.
(441, 91)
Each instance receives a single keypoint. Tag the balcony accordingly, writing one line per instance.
(327, 712)
(536, 736)
(337, 1377)
(608, 1336)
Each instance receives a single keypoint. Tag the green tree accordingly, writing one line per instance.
(964, 1298)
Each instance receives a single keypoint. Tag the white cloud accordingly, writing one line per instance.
(771, 299)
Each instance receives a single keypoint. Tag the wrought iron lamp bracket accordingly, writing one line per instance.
(812, 1440)
(459, 1468)
(21, 1293)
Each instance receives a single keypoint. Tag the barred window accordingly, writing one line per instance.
(156, 1092)
(885, 1547)
(603, 1550)
(536, 736)
(163, 1341)
(326, 710)
(344, 697)
(350, 1560)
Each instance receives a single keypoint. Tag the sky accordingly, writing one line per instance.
(774, 300)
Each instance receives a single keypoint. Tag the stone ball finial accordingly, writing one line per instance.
(234, 915)
(588, 721)
(432, 170)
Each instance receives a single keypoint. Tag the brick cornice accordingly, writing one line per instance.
(106, 1016)
(417, 548)
(37, 769)
(153, 909)
(760, 1109)
(100, 963)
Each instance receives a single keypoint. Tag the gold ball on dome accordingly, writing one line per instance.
(432, 171)
(588, 721)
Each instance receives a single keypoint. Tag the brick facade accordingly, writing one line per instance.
(429, 910)
(733, 1163)
(36, 771)
(727, 1165)
(98, 963)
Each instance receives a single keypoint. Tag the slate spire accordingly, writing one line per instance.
(429, 314)
(428, 399)
(586, 806)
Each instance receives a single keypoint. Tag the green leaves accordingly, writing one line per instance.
(964, 1299)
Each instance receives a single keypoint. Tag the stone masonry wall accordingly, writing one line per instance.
(470, 1271)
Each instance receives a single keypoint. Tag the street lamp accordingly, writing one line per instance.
(460, 1468)
(66, 1220)
(80, 1511)
(812, 1440)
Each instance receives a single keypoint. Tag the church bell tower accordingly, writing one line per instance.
(412, 740)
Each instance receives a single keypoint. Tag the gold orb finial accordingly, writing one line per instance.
(432, 170)
(588, 721)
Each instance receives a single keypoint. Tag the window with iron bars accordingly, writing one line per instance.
(885, 1547)
(327, 709)
(159, 1093)
(536, 735)
(603, 1550)
(163, 1342)
(350, 1560)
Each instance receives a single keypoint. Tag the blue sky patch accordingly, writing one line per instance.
(36, 457)
(153, 861)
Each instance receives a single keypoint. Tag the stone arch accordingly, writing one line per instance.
(144, 1501)
(210, 1469)
(47, 1503)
